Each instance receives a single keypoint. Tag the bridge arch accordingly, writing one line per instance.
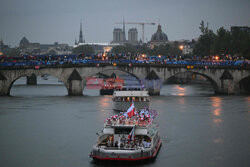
(243, 85)
(209, 79)
(112, 69)
(27, 74)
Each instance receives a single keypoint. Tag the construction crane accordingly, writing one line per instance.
(140, 23)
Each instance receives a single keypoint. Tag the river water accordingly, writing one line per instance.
(42, 126)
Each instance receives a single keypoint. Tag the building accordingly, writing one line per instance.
(133, 36)
(27, 47)
(119, 35)
(186, 46)
(187, 49)
(240, 28)
(3, 48)
(158, 38)
(99, 47)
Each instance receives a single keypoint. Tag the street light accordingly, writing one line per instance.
(181, 47)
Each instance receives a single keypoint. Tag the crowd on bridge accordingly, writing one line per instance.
(53, 60)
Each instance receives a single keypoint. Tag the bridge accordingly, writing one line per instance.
(224, 80)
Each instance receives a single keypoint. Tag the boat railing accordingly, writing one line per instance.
(127, 122)
(123, 148)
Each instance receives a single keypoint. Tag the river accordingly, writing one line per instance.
(42, 126)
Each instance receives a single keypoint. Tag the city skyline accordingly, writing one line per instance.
(48, 22)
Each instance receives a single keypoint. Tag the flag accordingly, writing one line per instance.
(132, 134)
(131, 110)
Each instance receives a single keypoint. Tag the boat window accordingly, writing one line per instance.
(126, 130)
(127, 99)
(137, 99)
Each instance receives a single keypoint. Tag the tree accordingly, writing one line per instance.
(240, 41)
(83, 49)
(222, 42)
(204, 46)
(124, 49)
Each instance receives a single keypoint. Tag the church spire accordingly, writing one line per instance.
(123, 29)
(75, 42)
(80, 35)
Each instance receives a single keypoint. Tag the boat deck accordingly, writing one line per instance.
(129, 122)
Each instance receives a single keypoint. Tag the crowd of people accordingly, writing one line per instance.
(141, 117)
(123, 142)
(48, 60)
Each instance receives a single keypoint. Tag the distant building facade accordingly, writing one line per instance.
(27, 47)
(158, 38)
(3, 48)
(99, 47)
(240, 28)
(119, 35)
(186, 46)
(133, 36)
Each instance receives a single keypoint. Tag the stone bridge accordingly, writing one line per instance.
(225, 80)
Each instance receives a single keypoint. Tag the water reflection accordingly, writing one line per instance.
(180, 90)
(181, 100)
(218, 140)
(216, 103)
(105, 102)
(217, 120)
(217, 108)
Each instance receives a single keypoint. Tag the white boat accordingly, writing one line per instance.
(127, 139)
(45, 77)
(122, 99)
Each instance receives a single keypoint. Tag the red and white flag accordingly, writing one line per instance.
(131, 110)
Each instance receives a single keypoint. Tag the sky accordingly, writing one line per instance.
(49, 21)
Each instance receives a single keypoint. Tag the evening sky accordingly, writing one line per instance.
(48, 21)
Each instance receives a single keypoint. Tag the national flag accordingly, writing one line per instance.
(131, 110)
(132, 134)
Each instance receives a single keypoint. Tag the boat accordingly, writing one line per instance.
(123, 138)
(110, 85)
(45, 77)
(123, 98)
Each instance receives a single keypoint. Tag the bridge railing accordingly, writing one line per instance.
(192, 64)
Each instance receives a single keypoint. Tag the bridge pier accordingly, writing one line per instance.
(153, 87)
(153, 84)
(75, 84)
(31, 80)
(227, 84)
(4, 88)
(75, 87)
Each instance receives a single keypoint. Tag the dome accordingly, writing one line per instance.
(159, 36)
(24, 42)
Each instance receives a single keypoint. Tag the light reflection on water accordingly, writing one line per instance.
(216, 103)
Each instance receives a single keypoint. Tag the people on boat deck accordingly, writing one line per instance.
(124, 143)
(141, 117)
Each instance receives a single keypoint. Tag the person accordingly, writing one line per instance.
(119, 141)
(109, 143)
